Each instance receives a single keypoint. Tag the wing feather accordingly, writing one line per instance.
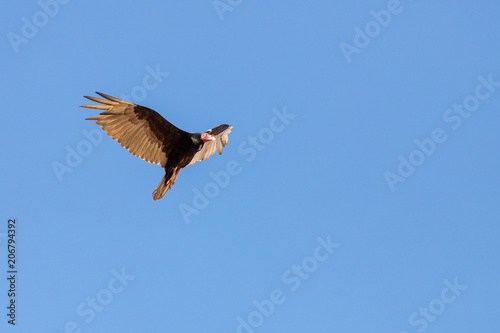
(114, 99)
(102, 101)
(142, 131)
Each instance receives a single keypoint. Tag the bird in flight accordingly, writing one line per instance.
(147, 135)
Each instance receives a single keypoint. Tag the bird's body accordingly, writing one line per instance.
(146, 134)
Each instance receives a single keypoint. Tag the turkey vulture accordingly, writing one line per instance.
(146, 134)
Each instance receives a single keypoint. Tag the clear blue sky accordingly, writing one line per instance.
(359, 191)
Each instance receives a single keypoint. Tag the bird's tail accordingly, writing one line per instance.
(165, 184)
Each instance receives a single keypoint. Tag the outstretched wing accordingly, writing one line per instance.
(144, 132)
(220, 133)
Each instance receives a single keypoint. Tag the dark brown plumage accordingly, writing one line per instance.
(146, 134)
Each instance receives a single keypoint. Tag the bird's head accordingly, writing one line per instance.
(199, 139)
(207, 137)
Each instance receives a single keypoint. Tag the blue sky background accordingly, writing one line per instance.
(323, 175)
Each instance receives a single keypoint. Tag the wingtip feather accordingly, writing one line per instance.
(111, 98)
(102, 101)
(93, 106)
